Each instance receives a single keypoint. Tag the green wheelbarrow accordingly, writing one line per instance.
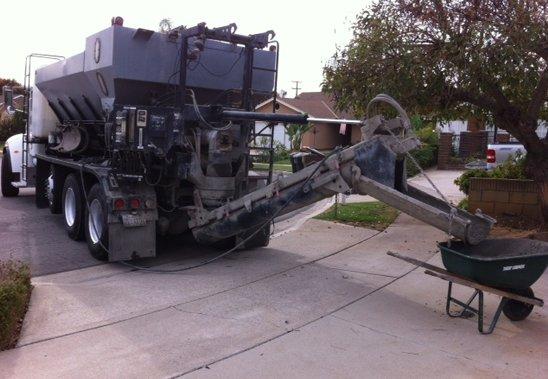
(504, 267)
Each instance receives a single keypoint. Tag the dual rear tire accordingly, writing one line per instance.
(96, 223)
(86, 221)
(73, 208)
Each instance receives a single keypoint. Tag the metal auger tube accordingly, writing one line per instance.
(367, 168)
(468, 227)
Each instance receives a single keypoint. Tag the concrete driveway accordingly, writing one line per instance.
(323, 300)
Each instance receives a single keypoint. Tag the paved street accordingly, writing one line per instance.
(37, 237)
(323, 300)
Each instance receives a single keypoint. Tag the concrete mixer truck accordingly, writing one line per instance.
(148, 133)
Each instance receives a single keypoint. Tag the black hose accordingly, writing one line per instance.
(241, 243)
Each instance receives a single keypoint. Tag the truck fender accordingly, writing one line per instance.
(14, 145)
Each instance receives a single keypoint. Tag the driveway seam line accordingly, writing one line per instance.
(361, 272)
(200, 298)
(294, 329)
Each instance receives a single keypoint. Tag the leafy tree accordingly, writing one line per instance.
(11, 125)
(453, 58)
(295, 133)
(17, 87)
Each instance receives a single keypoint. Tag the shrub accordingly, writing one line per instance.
(427, 155)
(15, 291)
(513, 168)
(428, 135)
(280, 152)
(463, 181)
(463, 204)
(296, 133)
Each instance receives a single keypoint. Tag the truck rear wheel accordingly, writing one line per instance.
(95, 223)
(48, 186)
(73, 208)
(8, 189)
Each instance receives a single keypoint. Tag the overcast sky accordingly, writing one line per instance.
(308, 31)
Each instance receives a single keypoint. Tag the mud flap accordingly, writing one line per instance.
(126, 243)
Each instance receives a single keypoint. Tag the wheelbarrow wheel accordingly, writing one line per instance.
(517, 310)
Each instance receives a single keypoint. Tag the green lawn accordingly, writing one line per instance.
(284, 161)
(283, 165)
(373, 215)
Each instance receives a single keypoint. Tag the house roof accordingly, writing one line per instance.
(315, 104)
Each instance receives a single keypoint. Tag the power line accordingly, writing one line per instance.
(296, 88)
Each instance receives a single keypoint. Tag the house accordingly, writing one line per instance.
(322, 136)
(456, 127)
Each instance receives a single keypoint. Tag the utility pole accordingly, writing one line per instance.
(296, 88)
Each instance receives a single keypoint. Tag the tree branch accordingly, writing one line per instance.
(542, 50)
(539, 96)
(478, 100)
(495, 91)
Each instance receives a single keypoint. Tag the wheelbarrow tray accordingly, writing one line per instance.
(502, 263)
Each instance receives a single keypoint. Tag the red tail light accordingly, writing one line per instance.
(491, 156)
(135, 203)
(119, 204)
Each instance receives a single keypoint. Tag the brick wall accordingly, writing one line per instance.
(471, 145)
(504, 197)
(446, 160)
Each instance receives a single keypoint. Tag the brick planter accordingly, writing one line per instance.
(505, 197)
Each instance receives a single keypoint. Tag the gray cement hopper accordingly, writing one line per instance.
(139, 67)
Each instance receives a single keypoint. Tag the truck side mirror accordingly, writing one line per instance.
(8, 100)
(8, 96)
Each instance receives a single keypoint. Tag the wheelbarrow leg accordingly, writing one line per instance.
(467, 310)
(495, 317)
